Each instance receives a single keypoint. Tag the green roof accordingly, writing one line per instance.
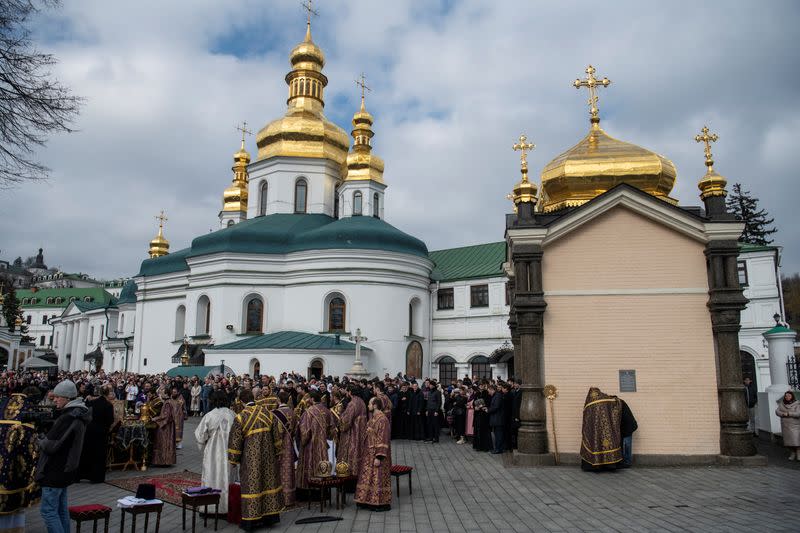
(98, 295)
(747, 247)
(128, 293)
(289, 340)
(779, 329)
(287, 233)
(199, 371)
(470, 262)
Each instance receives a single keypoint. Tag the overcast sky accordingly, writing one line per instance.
(453, 83)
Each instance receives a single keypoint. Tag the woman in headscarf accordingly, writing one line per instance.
(789, 412)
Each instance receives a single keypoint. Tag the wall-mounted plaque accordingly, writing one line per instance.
(627, 380)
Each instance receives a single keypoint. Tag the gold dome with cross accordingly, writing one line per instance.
(304, 131)
(600, 162)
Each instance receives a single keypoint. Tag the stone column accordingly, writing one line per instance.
(77, 356)
(528, 308)
(725, 304)
(74, 348)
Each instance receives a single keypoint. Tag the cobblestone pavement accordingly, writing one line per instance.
(458, 489)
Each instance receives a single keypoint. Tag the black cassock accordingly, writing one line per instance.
(95, 442)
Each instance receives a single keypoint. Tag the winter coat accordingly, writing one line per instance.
(60, 449)
(790, 422)
(496, 411)
(434, 401)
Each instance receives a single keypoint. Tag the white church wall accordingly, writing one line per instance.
(281, 174)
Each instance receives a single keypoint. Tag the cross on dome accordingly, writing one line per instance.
(161, 217)
(523, 146)
(244, 130)
(707, 138)
(592, 83)
(308, 5)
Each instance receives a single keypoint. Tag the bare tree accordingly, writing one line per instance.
(32, 103)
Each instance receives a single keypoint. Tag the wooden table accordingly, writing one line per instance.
(145, 510)
(200, 500)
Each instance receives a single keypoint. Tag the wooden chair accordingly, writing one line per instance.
(145, 510)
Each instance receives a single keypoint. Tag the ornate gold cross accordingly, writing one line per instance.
(591, 83)
(362, 82)
(707, 138)
(161, 219)
(244, 130)
(308, 5)
(523, 146)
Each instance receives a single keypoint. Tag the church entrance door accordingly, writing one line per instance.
(749, 367)
(315, 370)
(414, 360)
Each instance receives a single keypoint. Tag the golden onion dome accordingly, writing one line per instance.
(599, 163)
(159, 245)
(362, 164)
(712, 184)
(304, 131)
(235, 197)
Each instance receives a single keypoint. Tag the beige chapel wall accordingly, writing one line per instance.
(660, 327)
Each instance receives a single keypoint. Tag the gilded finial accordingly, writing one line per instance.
(308, 5)
(244, 130)
(524, 191)
(362, 82)
(712, 184)
(592, 83)
(707, 138)
(159, 245)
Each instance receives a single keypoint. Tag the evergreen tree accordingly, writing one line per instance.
(757, 222)
(11, 308)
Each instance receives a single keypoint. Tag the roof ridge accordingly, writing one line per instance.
(467, 246)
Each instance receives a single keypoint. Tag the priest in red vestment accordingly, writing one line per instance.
(284, 415)
(351, 425)
(374, 488)
(316, 427)
(164, 453)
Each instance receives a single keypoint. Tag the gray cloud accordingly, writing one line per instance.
(453, 84)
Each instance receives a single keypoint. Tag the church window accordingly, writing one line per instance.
(447, 370)
(49, 300)
(59, 300)
(357, 207)
(91, 335)
(479, 296)
(262, 198)
(102, 331)
(203, 322)
(444, 299)
(180, 322)
(34, 301)
(302, 86)
(44, 320)
(481, 368)
(300, 196)
(254, 322)
(26, 301)
(335, 205)
(28, 319)
(741, 269)
(336, 314)
(41, 340)
(72, 299)
(414, 317)
(122, 322)
(230, 223)
(411, 319)
(376, 205)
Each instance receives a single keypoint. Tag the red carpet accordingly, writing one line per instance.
(168, 486)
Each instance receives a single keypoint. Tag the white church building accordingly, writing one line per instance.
(304, 259)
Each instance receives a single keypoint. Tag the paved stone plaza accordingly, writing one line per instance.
(457, 489)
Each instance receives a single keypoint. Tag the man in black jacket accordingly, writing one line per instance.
(497, 418)
(432, 407)
(751, 397)
(60, 455)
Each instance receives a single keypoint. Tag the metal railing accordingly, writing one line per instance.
(793, 371)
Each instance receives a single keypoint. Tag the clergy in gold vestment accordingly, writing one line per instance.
(316, 427)
(374, 488)
(601, 445)
(255, 444)
(284, 415)
(351, 425)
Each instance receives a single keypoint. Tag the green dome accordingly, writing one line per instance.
(287, 233)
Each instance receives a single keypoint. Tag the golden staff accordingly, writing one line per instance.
(551, 392)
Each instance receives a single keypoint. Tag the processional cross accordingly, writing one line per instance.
(707, 138)
(592, 83)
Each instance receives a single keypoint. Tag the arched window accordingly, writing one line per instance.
(255, 368)
(376, 205)
(254, 315)
(336, 314)
(230, 223)
(262, 198)
(481, 367)
(447, 370)
(357, 203)
(180, 322)
(49, 300)
(122, 323)
(300, 196)
(203, 319)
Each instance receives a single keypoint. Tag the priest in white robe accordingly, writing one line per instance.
(212, 439)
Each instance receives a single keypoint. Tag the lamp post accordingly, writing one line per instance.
(185, 355)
